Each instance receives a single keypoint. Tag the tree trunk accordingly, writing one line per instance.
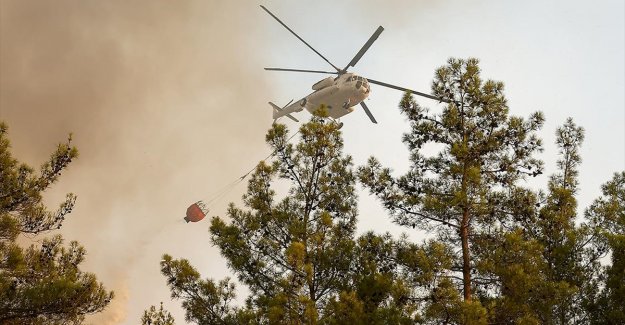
(466, 257)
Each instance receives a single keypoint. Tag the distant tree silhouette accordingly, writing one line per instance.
(157, 317)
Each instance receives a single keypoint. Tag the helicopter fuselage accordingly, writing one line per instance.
(338, 95)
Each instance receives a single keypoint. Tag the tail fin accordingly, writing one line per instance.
(277, 112)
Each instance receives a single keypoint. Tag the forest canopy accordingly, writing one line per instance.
(498, 251)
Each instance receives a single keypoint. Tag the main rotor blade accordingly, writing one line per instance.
(299, 70)
(364, 106)
(365, 47)
(301, 39)
(406, 89)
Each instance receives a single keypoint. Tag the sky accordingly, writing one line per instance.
(167, 103)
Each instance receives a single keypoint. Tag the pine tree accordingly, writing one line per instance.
(41, 284)
(379, 292)
(571, 259)
(204, 301)
(298, 255)
(607, 216)
(157, 317)
(469, 186)
(293, 254)
(546, 264)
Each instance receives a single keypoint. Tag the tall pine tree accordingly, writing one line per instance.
(297, 255)
(571, 259)
(469, 186)
(545, 266)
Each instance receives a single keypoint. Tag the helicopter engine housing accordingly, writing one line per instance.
(323, 83)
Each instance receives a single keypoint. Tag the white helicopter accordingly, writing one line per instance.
(340, 94)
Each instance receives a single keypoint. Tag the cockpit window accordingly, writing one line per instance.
(356, 78)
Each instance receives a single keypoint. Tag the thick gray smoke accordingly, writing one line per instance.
(167, 103)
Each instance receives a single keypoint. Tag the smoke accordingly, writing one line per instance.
(167, 103)
(117, 311)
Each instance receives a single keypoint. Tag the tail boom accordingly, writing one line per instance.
(279, 112)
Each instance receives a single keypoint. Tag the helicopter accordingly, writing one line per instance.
(339, 94)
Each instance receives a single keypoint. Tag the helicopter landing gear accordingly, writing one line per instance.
(346, 104)
(340, 124)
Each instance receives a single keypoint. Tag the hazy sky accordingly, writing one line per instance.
(168, 103)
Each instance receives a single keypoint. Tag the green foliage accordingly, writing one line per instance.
(607, 215)
(298, 255)
(446, 306)
(513, 285)
(498, 253)
(20, 199)
(205, 301)
(545, 265)
(469, 187)
(378, 291)
(157, 317)
(519, 252)
(41, 284)
(571, 260)
(297, 249)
